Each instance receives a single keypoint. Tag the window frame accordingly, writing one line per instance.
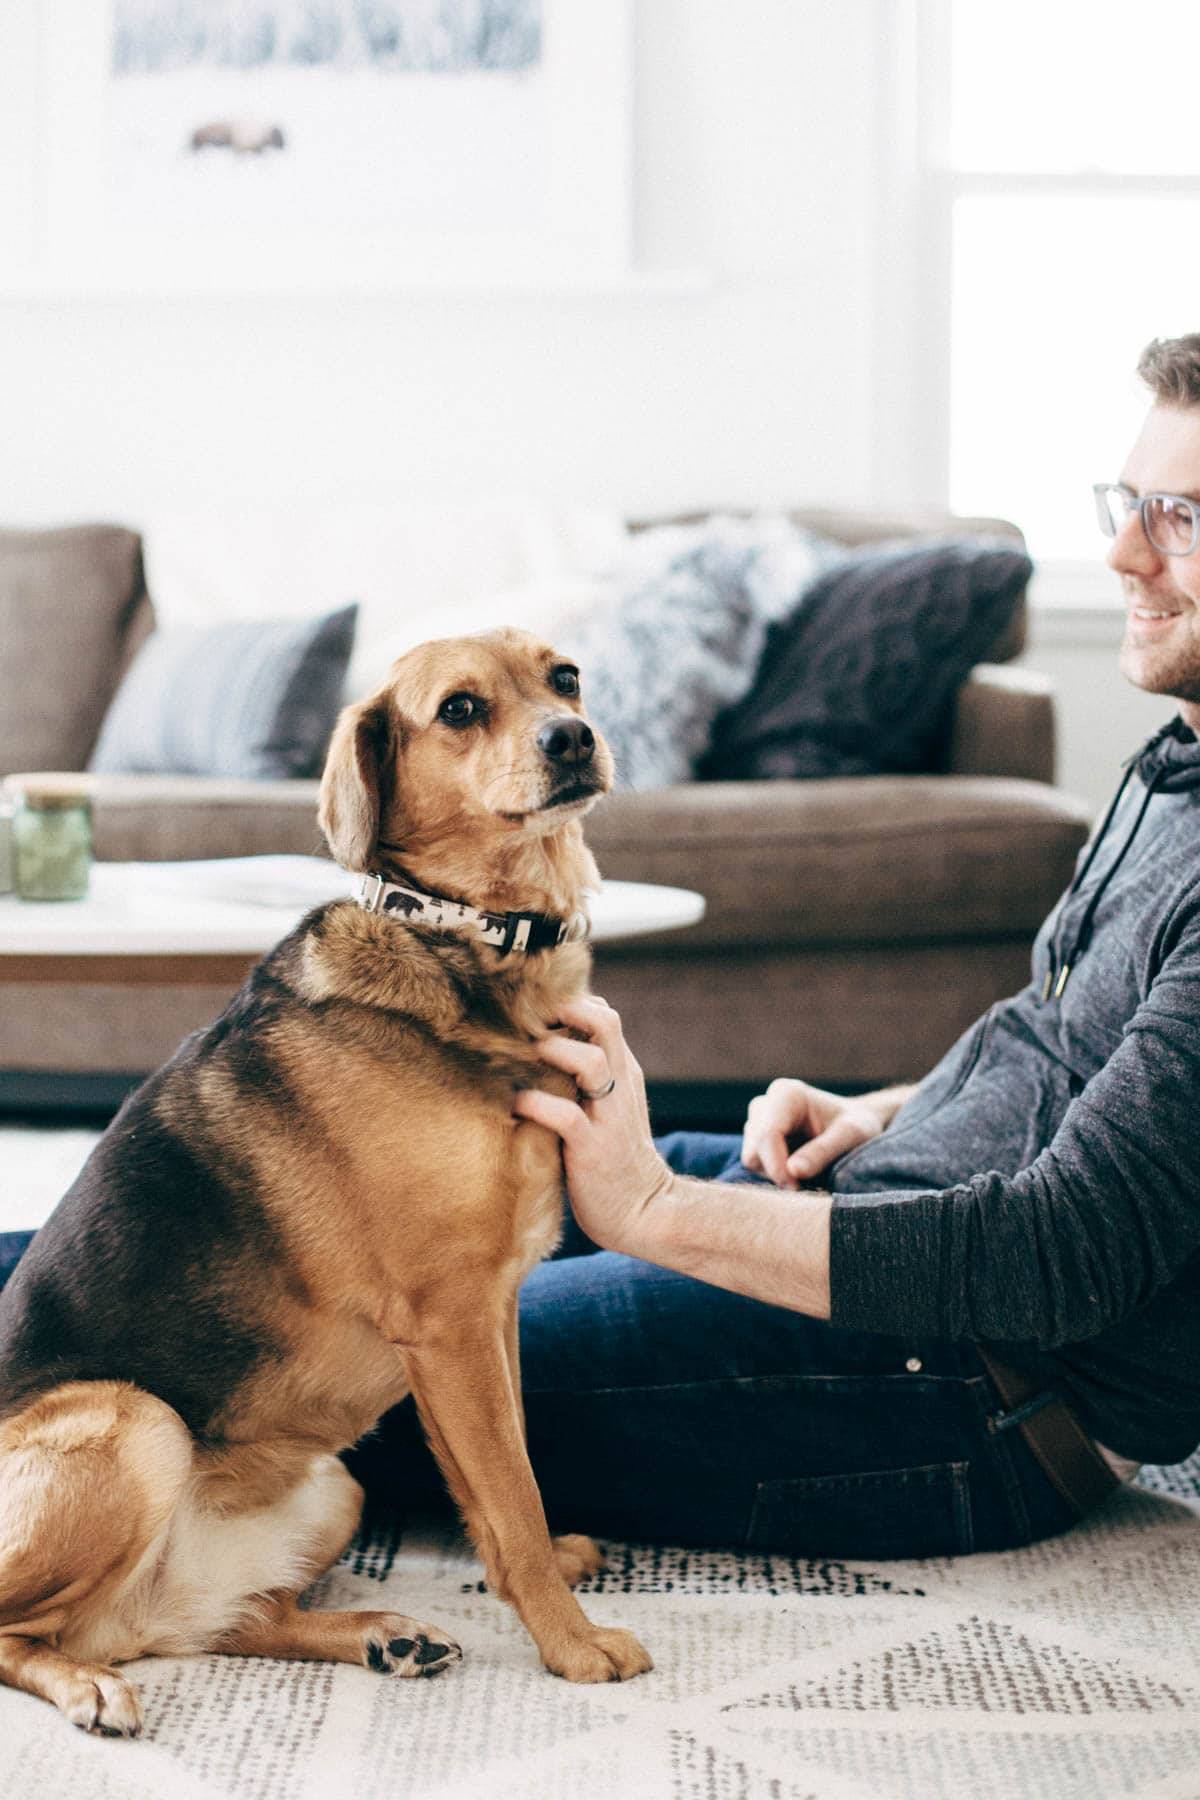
(918, 189)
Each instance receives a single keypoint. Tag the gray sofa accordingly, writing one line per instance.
(854, 927)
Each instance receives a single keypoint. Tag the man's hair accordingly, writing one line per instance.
(1170, 368)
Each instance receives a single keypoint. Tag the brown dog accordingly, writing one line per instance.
(321, 1204)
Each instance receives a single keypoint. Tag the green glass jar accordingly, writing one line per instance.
(52, 841)
(7, 872)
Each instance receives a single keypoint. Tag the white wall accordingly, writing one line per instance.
(756, 135)
(759, 163)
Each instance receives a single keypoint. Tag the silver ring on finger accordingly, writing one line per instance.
(597, 1093)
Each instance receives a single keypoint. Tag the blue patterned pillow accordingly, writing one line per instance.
(250, 700)
(860, 678)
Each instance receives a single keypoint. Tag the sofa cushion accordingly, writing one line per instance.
(859, 860)
(245, 700)
(862, 860)
(178, 818)
(861, 676)
(66, 601)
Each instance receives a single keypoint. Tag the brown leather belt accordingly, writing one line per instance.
(1067, 1454)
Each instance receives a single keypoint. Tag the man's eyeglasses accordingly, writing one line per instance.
(1171, 522)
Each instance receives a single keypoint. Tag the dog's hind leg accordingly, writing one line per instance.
(90, 1474)
(390, 1643)
(319, 1517)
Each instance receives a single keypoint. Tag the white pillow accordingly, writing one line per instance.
(416, 569)
(681, 633)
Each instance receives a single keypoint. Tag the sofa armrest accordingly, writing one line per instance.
(1004, 725)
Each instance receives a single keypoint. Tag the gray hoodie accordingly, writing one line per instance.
(1040, 1191)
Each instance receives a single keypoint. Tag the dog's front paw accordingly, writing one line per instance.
(577, 1557)
(394, 1645)
(605, 1654)
(101, 1701)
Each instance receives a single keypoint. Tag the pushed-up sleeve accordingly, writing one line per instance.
(1105, 1217)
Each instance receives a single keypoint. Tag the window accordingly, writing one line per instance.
(1059, 163)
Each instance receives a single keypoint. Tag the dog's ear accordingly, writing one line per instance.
(352, 787)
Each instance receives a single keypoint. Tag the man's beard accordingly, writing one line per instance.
(1159, 669)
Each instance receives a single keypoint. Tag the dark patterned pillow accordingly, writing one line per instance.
(248, 700)
(860, 678)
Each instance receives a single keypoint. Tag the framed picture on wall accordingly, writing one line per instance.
(277, 145)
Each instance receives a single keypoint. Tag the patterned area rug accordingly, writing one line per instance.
(1068, 1671)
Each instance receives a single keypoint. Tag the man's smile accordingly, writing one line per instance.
(1150, 615)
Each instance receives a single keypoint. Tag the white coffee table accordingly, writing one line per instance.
(200, 923)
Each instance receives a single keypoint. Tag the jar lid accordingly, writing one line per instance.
(50, 793)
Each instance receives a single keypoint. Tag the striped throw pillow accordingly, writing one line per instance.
(247, 700)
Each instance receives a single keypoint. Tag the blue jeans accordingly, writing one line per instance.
(660, 1409)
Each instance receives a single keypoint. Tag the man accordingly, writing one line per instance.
(986, 1317)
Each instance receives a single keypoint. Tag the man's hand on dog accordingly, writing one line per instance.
(614, 1173)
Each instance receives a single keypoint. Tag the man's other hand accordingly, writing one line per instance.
(829, 1124)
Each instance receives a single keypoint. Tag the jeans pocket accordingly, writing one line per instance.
(878, 1513)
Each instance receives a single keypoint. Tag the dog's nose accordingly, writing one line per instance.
(567, 740)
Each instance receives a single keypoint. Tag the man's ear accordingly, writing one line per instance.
(356, 770)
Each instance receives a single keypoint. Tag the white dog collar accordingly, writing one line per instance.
(524, 931)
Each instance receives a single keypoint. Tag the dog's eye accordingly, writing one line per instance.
(565, 682)
(458, 709)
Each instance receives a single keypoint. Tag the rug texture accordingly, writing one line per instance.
(1067, 1671)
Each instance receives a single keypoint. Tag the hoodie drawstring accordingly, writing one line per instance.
(1055, 982)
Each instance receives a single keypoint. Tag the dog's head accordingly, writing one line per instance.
(475, 744)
